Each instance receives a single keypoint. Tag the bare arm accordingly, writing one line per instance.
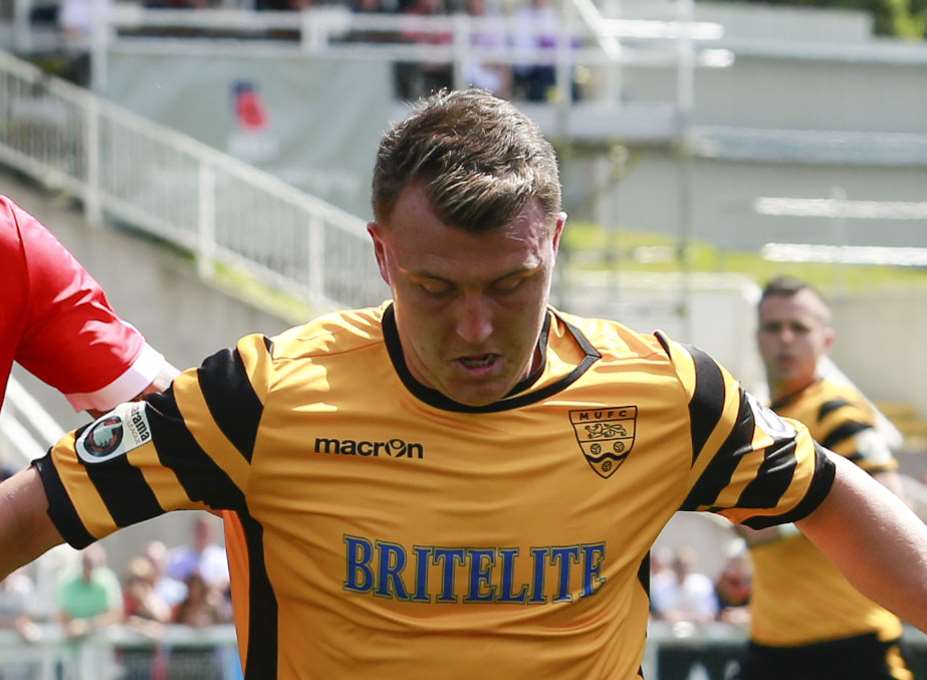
(26, 530)
(875, 540)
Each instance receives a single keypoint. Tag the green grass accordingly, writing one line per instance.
(273, 300)
(588, 246)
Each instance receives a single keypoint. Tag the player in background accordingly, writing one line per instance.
(462, 478)
(807, 620)
(56, 322)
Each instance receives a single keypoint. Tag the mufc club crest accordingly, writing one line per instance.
(605, 436)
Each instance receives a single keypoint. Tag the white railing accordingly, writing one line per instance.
(131, 171)
(25, 426)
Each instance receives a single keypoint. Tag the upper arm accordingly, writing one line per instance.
(187, 448)
(26, 530)
(748, 464)
(72, 339)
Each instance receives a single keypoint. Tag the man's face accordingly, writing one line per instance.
(793, 334)
(469, 307)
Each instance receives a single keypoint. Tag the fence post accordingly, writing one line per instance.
(93, 211)
(206, 221)
(316, 260)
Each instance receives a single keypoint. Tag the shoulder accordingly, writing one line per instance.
(616, 341)
(833, 400)
(329, 335)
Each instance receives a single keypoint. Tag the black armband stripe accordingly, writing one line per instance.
(720, 470)
(60, 509)
(707, 403)
(773, 477)
(232, 401)
(821, 483)
(845, 431)
(829, 407)
(202, 480)
(124, 491)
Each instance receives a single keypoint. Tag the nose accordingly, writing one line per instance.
(474, 319)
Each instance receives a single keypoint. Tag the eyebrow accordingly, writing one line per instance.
(524, 270)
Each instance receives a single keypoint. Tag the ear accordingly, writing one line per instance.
(829, 336)
(558, 230)
(379, 249)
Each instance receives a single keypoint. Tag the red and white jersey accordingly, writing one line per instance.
(55, 320)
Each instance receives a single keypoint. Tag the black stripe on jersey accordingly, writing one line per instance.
(829, 407)
(124, 491)
(824, 473)
(231, 399)
(845, 431)
(643, 574)
(262, 606)
(199, 475)
(773, 477)
(721, 468)
(60, 509)
(707, 403)
(438, 400)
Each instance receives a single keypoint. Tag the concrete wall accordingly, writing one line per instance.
(880, 343)
(724, 192)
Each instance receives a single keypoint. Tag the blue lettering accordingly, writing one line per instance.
(539, 555)
(392, 560)
(450, 556)
(508, 577)
(564, 555)
(422, 562)
(359, 575)
(482, 561)
(593, 559)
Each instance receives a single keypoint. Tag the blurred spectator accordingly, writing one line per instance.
(732, 589)
(415, 79)
(369, 36)
(16, 596)
(91, 599)
(168, 589)
(682, 594)
(202, 606)
(488, 33)
(141, 601)
(204, 556)
(539, 25)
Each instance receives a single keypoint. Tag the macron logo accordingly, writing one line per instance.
(394, 448)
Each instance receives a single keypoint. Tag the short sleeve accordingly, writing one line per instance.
(847, 426)
(104, 360)
(748, 464)
(187, 448)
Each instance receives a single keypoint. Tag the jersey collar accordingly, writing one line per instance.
(519, 395)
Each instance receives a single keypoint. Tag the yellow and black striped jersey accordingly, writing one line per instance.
(799, 596)
(392, 532)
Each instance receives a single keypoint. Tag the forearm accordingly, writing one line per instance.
(26, 531)
(875, 540)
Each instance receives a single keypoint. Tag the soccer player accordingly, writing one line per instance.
(808, 621)
(56, 322)
(463, 480)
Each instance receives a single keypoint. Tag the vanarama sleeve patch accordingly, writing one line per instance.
(115, 434)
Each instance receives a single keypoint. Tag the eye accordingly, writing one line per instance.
(436, 288)
(509, 285)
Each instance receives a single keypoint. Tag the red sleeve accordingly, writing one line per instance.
(72, 338)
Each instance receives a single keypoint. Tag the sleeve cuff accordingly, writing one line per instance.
(821, 483)
(137, 377)
(60, 509)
